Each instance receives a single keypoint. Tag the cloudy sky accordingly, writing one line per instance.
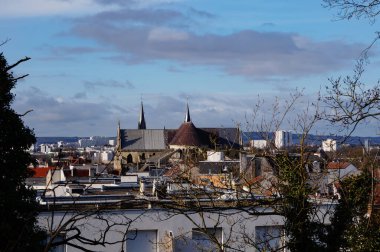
(93, 61)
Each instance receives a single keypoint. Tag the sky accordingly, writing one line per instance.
(94, 61)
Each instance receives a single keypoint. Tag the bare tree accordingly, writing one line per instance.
(350, 103)
(347, 9)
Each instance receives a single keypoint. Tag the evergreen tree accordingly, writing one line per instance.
(18, 208)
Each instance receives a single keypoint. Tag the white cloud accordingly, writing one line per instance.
(26, 8)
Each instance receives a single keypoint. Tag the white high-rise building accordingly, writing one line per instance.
(283, 139)
(45, 148)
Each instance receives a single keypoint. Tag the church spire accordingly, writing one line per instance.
(141, 124)
(187, 117)
(118, 137)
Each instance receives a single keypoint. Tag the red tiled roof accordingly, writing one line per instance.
(337, 165)
(40, 172)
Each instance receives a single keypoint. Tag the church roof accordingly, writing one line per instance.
(149, 139)
(188, 135)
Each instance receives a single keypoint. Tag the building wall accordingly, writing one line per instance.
(106, 156)
(215, 156)
(283, 139)
(162, 230)
(259, 144)
(138, 156)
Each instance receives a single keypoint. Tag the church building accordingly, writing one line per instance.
(154, 146)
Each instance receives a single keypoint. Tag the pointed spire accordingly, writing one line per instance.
(141, 124)
(187, 117)
(118, 137)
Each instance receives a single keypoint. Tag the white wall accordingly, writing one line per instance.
(174, 232)
(259, 144)
(215, 156)
(329, 145)
(283, 139)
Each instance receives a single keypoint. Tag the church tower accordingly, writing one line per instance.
(141, 123)
(117, 162)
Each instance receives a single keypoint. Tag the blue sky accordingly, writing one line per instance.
(94, 60)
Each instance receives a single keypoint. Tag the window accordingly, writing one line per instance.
(206, 239)
(142, 240)
(269, 238)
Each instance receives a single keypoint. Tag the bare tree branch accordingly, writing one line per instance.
(17, 63)
(27, 112)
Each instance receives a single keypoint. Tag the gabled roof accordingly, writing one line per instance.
(338, 165)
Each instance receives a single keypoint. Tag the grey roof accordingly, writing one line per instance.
(144, 139)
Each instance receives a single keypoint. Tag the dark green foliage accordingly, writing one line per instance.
(365, 236)
(18, 208)
(351, 228)
(295, 206)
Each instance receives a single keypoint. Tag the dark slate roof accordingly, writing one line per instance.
(224, 136)
(144, 139)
